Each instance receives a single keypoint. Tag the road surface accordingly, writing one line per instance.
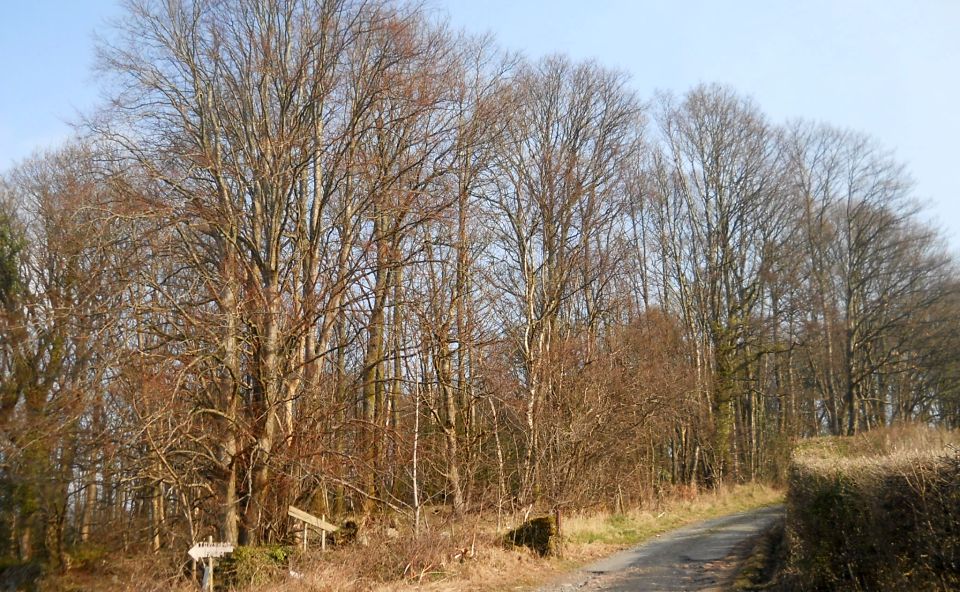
(701, 557)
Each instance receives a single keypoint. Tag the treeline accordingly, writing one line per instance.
(331, 253)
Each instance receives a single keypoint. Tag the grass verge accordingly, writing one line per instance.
(761, 568)
(463, 555)
(621, 530)
(491, 567)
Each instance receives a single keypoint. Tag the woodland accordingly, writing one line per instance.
(338, 255)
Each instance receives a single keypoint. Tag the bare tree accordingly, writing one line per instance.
(559, 188)
(716, 184)
(871, 268)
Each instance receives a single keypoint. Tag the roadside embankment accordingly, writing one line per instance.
(875, 512)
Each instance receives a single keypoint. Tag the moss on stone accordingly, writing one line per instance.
(539, 534)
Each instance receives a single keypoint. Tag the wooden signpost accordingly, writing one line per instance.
(209, 551)
(310, 520)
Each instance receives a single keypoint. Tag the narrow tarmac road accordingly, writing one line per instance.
(701, 557)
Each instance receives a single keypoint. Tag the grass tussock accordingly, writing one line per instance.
(875, 512)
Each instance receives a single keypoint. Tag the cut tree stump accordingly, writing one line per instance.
(540, 534)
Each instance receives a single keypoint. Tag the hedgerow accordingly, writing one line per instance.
(875, 522)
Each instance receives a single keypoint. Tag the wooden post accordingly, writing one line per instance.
(210, 551)
(210, 567)
(559, 525)
(323, 536)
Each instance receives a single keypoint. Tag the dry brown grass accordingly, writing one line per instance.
(906, 439)
(491, 568)
(598, 533)
(474, 558)
(448, 555)
(118, 573)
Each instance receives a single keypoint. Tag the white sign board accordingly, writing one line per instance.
(204, 550)
(312, 520)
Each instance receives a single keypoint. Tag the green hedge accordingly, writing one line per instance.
(875, 523)
(250, 567)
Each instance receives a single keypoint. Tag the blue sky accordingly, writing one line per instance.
(889, 68)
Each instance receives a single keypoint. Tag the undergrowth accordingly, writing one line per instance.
(447, 555)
